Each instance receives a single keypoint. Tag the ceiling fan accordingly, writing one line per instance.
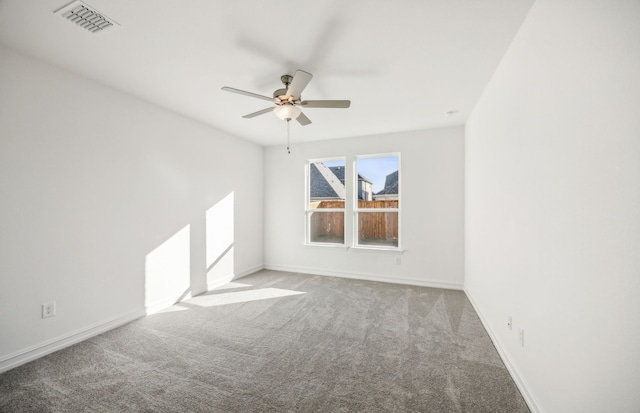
(289, 100)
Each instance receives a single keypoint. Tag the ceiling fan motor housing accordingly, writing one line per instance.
(280, 92)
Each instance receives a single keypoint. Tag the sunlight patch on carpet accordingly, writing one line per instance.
(241, 297)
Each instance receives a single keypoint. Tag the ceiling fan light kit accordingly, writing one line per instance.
(287, 111)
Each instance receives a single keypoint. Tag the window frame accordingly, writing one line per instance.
(308, 211)
(351, 220)
(357, 210)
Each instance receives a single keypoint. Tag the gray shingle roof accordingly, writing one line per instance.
(390, 184)
(339, 172)
(327, 182)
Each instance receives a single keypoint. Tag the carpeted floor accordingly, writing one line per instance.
(280, 342)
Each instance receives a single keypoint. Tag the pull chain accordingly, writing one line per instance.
(288, 136)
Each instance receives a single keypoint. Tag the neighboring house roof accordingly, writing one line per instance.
(364, 178)
(390, 185)
(326, 182)
(338, 171)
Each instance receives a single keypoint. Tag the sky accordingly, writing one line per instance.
(374, 169)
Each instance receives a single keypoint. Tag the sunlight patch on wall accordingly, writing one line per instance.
(213, 300)
(219, 242)
(167, 271)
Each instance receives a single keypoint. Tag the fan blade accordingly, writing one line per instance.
(303, 119)
(258, 113)
(253, 95)
(300, 80)
(326, 103)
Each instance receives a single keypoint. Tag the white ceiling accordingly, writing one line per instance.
(403, 64)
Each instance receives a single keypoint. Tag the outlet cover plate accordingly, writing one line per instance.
(49, 309)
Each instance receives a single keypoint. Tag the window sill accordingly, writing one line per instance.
(360, 248)
(327, 245)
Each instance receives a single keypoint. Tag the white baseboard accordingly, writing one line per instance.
(248, 271)
(168, 302)
(517, 377)
(228, 278)
(219, 281)
(368, 277)
(42, 349)
(47, 347)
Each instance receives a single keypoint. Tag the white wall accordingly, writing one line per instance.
(553, 205)
(432, 227)
(102, 195)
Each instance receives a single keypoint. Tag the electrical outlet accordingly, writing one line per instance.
(49, 309)
(521, 338)
(509, 323)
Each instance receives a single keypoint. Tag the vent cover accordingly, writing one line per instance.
(86, 17)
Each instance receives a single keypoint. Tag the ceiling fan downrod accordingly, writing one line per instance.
(286, 80)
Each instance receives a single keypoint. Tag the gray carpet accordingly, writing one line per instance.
(280, 342)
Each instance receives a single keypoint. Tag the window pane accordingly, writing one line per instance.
(378, 180)
(326, 184)
(327, 227)
(378, 229)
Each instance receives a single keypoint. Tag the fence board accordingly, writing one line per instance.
(372, 225)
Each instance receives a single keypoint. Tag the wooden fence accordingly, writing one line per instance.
(361, 204)
(373, 227)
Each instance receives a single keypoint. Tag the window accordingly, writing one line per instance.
(377, 204)
(374, 184)
(326, 201)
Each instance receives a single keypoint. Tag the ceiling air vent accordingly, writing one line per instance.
(86, 17)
